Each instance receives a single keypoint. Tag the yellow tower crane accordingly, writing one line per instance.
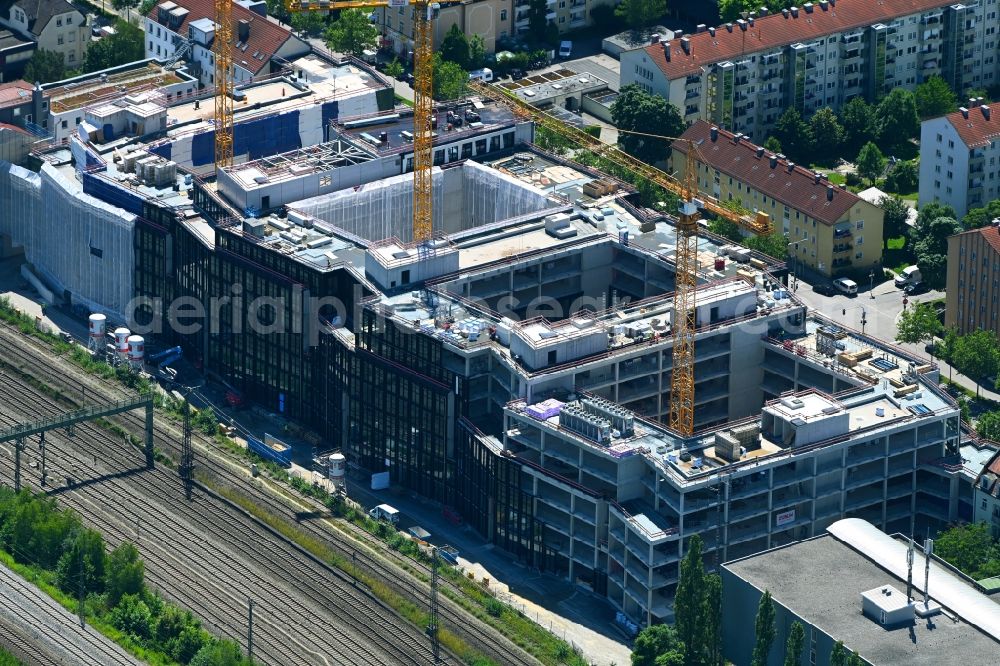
(222, 47)
(684, 322)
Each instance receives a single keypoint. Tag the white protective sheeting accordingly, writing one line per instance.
(74, 242)
(464, 198)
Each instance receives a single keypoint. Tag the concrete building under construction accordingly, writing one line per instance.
(516, 368)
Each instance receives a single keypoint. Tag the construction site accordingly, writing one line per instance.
(587, 380)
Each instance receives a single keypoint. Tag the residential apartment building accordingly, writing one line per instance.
(826, 226)
(53, 25)
(490, 19)
(959, 156)
(188, 27)
(15, 52)
(987, 496)
(742, 76)
(973, 280)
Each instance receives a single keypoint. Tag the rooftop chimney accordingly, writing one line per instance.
(784, 12)
(979, 101)
(808, 7)
(763, 11)
(791, 167)
(774, 161)
(742, 24)
(711, 30)
(829, 192)
(816, 176)
(701, 27)
(654, 38)
(729, 27)
(760, 152)
(666, 50)
(750, 21)
(833, 3)
(686, 45)
(824, 5)
(244, 30)
(795, 12)
(713, 131)
(986, 111)
(964, 111)
(972, 102)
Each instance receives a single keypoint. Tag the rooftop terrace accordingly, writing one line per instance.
(95, 88)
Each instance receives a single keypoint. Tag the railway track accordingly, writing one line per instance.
(233, 472)
(204, 555)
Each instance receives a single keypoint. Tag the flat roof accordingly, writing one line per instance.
(541, 87)
(821, 580)
(71, 95)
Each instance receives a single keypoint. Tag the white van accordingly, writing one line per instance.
(849, 287)
(909, 275)
(386, 513)
(565, 48)
(485, 74)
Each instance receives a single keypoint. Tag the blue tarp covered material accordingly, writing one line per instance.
(162, 150)
(267, 136)
(118, 196)
(331, 111)
(203, 148)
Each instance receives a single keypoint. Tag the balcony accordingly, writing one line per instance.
(842, 248)
(550, 15)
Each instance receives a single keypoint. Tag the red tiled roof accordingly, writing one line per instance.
(266, 37)
(776, 30)
(977, 130)
(14, 128)
(990, 234)
(797, 189)
(15, 93)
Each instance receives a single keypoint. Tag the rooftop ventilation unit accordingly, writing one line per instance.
(576, 419)
(621, 419)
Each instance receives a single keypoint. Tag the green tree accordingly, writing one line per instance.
(980, 217)
(712, 616)
(725, 228)
(971, 549)
(934, 98)
(870, 162)
(930, 245)
(763, 630)
(918, 324)
(689, 602)
(83, 557)
(794, 644)
(895, 212)
(854, 659)
(977, 355)
(126, 573)
(551, 141)
(450, 80)
(898, 120)
(127, 5)
(351, 33)
(903, 177)
(640, 13)
(133, 617)
(774, 244)
(477, 52)
(188, 643)
(988, 426)
(838, 655)
(933, 210)
(311, 24)
(455, 47)
(45, 67)
(772, 144)
(858, 119)
(795, 135)
(945, 349)
(636, 110)
(275, 8)
(37, 530)
(658, 645)
(219, 653)
(538, 25)
(828, 135)
(124, 46)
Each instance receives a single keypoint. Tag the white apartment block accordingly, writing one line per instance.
(742, 76)
(960, 158)
(54, 25)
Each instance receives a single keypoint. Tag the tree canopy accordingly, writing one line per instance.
(351, 33)
(455, 47)
(980, 217)
(640, 13)
(794, 134)
(450, 80)
(689, 601)
(870, 162)
(763, 630)
(918, 324)
(895, 212)
(658, 645)
(935, 98)
(903, 177)
(976, 354)
(794, 644)
(858, 119)
(970, 549)
(774, 244)
(827, 133)
(125, 46)
(45, 67)
(898, 120)
(988, 426)
(930, 245)
(311, 24)
(636, 110)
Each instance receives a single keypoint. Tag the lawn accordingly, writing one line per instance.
(896, 255)
(836, 178)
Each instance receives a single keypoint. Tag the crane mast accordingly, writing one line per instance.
(222, 47)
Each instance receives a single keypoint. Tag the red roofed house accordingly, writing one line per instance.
(830, 230)
(258, 39)
(742, 76)
(958, 157)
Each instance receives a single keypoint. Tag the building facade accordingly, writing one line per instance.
(186, 29)
(958, 158)
(987, 496)
(972, 276)
(54, 25)
(826, 226)
(742, 76)
(490, 19)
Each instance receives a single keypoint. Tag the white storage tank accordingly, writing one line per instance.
(338, 467)
(97, 324)
(136, 348)
(121, 340)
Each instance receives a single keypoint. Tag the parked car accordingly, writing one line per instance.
(824, 289)
(909, 275)
(849, 287)
(916, 288)
(517, 74)
(565, 48)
